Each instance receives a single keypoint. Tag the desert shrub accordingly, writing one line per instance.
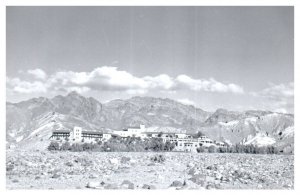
(247, 149)
(155, 144)
(104, 147)
(65, 146)
(230, 149)
(125, 159)
(115, 145)
(168, 146)
(87, 146)
(53, 146)
(136, 147)
(200, 149)
(136, 144)
(262, 150)
(160, 134)
(76, 147)
(158, 158)
(222, 150)
(272, 150)
(97, 148)
(252, 149)
(239, 148)
(198, 134)
(212, 149)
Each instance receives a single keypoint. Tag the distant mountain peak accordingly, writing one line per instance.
(221, 110)
(74, 94)
(25, 118)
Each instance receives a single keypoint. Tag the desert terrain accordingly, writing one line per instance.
(144, 170)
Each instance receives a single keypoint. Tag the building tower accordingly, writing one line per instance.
(77, 133)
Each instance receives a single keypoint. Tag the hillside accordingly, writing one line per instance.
(32, 121)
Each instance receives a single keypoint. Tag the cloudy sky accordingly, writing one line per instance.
(236, 58)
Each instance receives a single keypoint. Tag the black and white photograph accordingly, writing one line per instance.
(149, 98)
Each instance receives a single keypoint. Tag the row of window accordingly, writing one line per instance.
(89, 136)
(61, 134)
(189, 140)
(189, 145)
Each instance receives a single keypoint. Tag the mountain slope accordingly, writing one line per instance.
(31, 121)
(155, 112)
(256, 130)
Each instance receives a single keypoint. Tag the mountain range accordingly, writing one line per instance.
(30, 123)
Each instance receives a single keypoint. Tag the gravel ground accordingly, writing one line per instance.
(95, 170)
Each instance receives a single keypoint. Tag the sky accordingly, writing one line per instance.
(237, 58)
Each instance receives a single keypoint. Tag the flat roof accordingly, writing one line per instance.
(135, 127)
(61, 131)
(92, 132)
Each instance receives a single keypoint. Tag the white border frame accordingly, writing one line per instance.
(5, 3)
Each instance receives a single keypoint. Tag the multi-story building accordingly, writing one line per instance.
(60, 134)
(78, 135)
(187, 145)
(106, 136)
(182, 141)
(131, 132)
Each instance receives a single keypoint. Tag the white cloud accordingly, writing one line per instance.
(38, 73)
(108, 78)
(276, 92)
(210, 85)
(70, 89)
(279, 98)
(279, 91)
(235, 88)
(280, 110)
(162, 81)
(186, 101)
(20, 86)
(103, 78)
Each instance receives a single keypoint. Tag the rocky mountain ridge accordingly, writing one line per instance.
(32, 121)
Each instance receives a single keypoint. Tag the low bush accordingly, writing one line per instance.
(132, 144)
(158, 158)
(53, 146)
(212, 149)
(76, 147)
(201, 149)
(65, 146)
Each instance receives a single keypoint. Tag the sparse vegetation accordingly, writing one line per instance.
(201, 149)
(198, 134)
(160, 134)
(169, 146)
(76, 147)
(117, 170)
(239, 148)
(158, 158)
(65, 146)
(117, 144)
(136, 144)
(53, 146)
(212, 149)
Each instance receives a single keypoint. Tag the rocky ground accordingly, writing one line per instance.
(83, 170)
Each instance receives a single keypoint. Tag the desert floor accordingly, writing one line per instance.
(96, 170)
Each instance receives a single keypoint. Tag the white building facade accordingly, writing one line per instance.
(77, 134)
(183, 142)
(132, 132)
